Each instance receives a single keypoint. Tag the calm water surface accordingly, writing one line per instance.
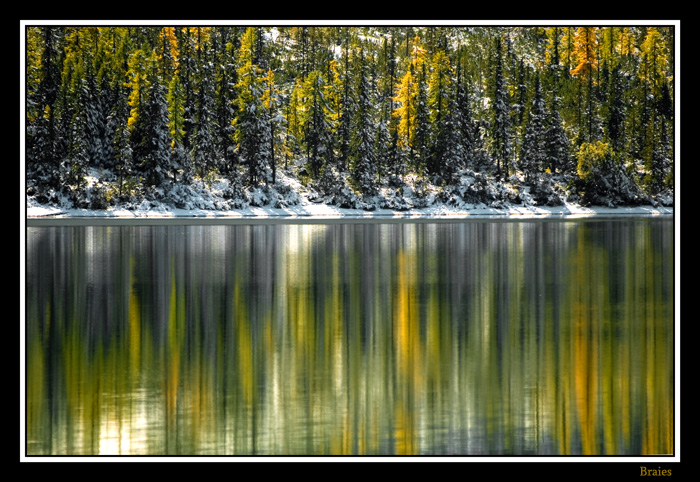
(468, 338)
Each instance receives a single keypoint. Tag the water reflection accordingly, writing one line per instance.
(467, 338)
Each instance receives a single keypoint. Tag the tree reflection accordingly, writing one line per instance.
(403, 339)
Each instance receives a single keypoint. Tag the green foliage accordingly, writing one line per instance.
(376, 103)
(592, 159)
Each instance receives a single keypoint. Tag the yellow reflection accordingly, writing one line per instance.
(408, 354)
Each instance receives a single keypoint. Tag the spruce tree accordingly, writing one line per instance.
(440, 115)
(363, 154)
(206, 156)
(616, 112)
(558, 145)
(533, 156)
(156, 142)
(421, 141)
(225, 40)
(501, 128)
(314, 123)
(252, 125)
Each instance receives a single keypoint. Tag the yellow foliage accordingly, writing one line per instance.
(590, 156)
(586, 43)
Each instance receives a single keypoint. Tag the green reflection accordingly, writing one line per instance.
(467, 338)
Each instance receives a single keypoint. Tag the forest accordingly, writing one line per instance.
(223, 117)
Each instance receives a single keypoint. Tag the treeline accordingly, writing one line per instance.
(348, 108)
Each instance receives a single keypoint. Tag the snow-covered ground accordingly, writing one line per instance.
(292, 201)
(308, 209)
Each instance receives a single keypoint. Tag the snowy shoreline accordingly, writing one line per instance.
(322, 212)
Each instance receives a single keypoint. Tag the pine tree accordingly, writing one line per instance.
(500, 133)
(558, 143)
(252, 124)
(156, 143)
(224, 45)
(344, 125)
(533, 156)
(422, 126)
(363, 154)
(653, 78)
(314, 123)
(440, 115)
(616, 112)
(206, 155)
(271, 100)
(465, 126)
(187, 70)
(293, 118)
(180, 160)
(76, 162)
(371, 111)
(124, 156)
(96, 123)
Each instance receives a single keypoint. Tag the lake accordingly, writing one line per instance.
(487, 337)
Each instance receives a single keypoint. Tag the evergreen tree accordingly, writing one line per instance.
(180, 160)
(341, 108)
(344, 125)
(412, 108)
(206, 155)
(314, 123)
(224, 42)
(363, 154)
(75, 164)
(293, 117)
(252, 124)
(187, 70)
(274, 119)
(533, 156)
(422, 126)
(616, 112)
(124, 158)
(653, 81)
(465, 126)
(371, 111)
(500, 132)
(155, 150)
(557, 142)
(441, 120)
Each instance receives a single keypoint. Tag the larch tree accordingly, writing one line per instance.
(585, 52)
(382, 106)
(406, 100)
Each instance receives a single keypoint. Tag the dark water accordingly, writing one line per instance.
(472, 338)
